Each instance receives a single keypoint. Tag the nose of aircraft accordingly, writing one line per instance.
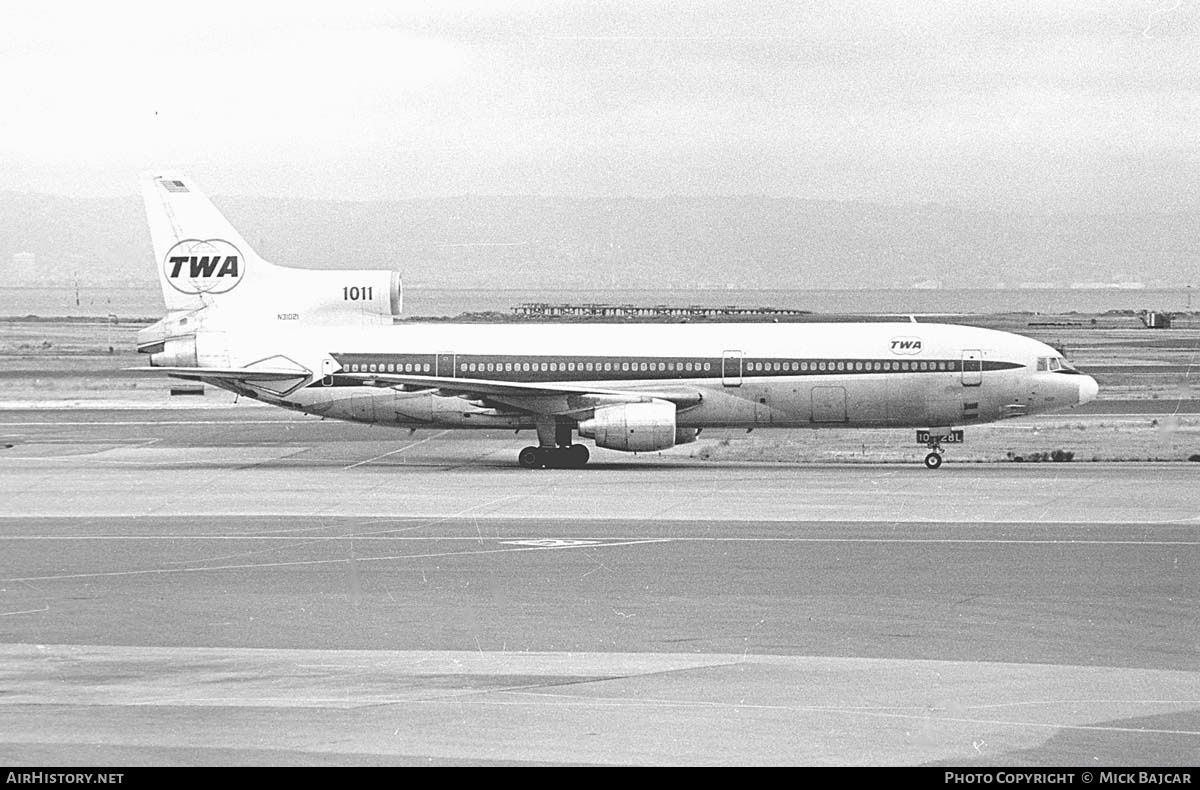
(1088, 389)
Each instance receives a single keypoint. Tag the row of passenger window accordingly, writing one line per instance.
(585, 367)
(532, 367)
(675, 366)
(407, 367)
(865, 366)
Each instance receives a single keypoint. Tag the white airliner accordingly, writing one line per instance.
(327, 343)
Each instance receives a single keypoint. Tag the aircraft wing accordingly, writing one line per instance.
(535, 398)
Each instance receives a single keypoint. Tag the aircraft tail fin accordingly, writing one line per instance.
(203, 262)
(199, 254)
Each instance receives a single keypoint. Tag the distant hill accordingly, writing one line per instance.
(541, 242)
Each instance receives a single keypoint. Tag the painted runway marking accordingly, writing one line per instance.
(552, 543)
(929, 717)
(402, 449)
(302, 541)
(606, 541)
(27, 611)
(299, 563)
(1084, 701)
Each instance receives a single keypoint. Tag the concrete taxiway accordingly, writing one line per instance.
(216, 586)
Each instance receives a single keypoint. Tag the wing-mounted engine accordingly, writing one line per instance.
(633, 427)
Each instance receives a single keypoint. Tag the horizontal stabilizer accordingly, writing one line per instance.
(233, 374)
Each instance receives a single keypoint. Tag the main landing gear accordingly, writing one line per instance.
(573, 456)
(554, 450)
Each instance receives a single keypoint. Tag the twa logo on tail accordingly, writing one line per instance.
(204, 267)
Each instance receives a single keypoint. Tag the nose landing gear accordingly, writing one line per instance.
(933, 439)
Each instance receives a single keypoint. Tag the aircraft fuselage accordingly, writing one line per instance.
(747, 375)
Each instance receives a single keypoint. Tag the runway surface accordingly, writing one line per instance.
(243, 586)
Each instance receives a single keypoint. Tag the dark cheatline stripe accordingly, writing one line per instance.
(532, 369)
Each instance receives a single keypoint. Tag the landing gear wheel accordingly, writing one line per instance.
(577, 456)
(933, 461)
(530, 458)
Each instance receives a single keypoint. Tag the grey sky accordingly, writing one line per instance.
(1028, 105)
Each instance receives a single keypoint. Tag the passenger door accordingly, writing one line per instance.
(972, 367)
(731, 368)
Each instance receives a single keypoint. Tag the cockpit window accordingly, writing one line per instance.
(1055, 364)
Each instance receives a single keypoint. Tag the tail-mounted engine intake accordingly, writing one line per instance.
(332, 296)
(633, 427)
